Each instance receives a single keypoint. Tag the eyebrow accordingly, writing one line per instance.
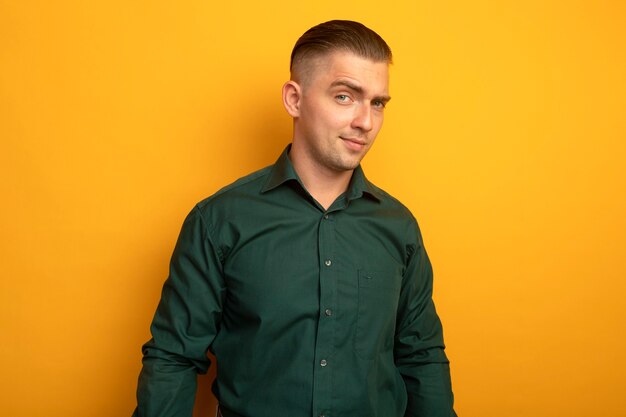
(356, 89)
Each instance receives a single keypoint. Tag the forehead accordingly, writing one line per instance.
(324, 70)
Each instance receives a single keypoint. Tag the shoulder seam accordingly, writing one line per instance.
(207, 229)
(240, 182)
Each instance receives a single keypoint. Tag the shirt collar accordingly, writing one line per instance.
(360, 186)
(282, 171)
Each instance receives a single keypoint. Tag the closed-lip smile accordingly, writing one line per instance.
(353, 144)
(353, 140)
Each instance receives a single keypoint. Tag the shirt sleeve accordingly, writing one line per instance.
(419, 348)
(184, 325)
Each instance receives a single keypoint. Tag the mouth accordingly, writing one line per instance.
(355, 144)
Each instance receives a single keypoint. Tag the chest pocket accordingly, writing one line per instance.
(379, 292)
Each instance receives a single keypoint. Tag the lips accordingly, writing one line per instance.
(355, 144)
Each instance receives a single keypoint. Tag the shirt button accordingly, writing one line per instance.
(326, 216)
(323, 362)
(328, 262)
(328, 312)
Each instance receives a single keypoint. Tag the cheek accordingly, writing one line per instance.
(378, 122)
(342, 117)
(332, 120)
(323, 116)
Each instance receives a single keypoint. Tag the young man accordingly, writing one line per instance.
(310, 285)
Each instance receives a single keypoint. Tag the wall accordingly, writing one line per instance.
(505, 136)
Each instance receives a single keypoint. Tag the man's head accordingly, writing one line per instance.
(336, 96)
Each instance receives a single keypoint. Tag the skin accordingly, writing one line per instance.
(337, 108)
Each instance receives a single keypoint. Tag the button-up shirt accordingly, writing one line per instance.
(308, 311)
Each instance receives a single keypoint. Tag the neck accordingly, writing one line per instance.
(324, 184)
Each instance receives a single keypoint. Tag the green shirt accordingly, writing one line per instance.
(309, 312)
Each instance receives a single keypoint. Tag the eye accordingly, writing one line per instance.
(379, 104)
(342, 98)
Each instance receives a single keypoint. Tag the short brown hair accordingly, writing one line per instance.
(343, 35)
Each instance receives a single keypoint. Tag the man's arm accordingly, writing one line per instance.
(184, 325)
(419, 348)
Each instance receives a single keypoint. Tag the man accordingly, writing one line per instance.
(310, 285)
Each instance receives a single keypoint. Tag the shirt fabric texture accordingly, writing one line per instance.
(309, 312)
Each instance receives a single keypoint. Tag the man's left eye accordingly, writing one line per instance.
(342, 97)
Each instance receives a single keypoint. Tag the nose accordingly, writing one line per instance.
(363, 117)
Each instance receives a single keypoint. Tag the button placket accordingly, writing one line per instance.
(324, 346)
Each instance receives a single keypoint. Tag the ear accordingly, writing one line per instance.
(292, 93)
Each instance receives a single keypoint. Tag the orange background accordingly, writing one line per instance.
(505, 136)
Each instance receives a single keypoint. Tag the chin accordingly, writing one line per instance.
(348, 165)
(342, 163)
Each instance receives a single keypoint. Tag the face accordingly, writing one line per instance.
(339, 110)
